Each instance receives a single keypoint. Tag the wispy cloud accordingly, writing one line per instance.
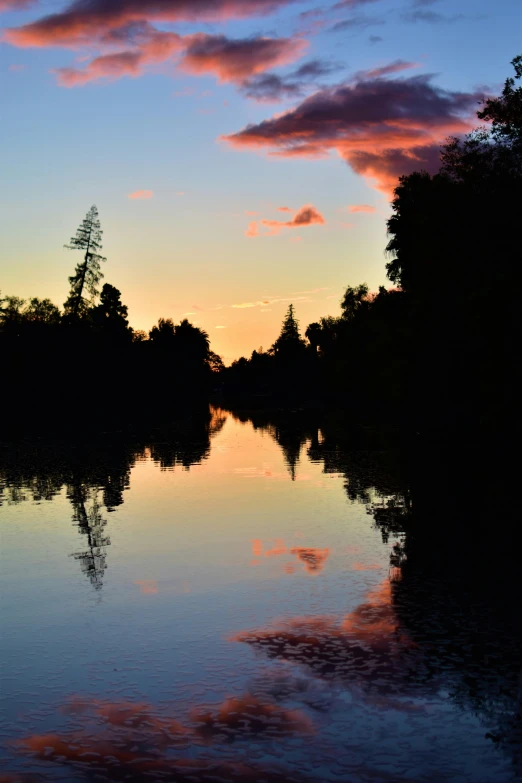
(269, 301)
(312, 290)
(141, 194)
(252, 230)
(361, 208)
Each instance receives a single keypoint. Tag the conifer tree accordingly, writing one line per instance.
(87, 274)
(289, 343)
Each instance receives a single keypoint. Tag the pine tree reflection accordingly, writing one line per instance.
(291, 430)
(96, 474)
(87, 515)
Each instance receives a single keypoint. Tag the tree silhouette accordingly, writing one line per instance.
(162, 335)
(353, 300)
(87, 273)
(289, 344)
(111, 313)
(41, 311)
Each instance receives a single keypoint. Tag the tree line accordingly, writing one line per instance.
(438, 350)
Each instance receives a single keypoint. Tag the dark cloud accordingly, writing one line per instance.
(86, 20)
(272, 87)
(314, 69)
(431, 17)
(356, 22)
(385, 70)
(373, 39)
(230, 60)
(381, 127)
(349, 4)
(235, 60)
(307, 216)
(15, 5)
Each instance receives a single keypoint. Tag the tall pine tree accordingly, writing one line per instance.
(88, 273)
(289, 345)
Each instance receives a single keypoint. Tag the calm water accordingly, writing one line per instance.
(233, 603)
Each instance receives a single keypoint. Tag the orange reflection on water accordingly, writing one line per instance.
(354, 647)
(147, 586)
(312, 558)
(128, 741)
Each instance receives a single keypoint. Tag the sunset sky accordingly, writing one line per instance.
(241, 152)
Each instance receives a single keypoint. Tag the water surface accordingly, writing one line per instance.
(233, 603)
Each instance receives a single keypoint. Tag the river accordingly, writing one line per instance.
(238, 601)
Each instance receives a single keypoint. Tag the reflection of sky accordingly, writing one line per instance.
(179, 592)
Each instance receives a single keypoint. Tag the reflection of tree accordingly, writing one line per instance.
(97, 473)
(290, 430)
(455, 568)
(87, 515)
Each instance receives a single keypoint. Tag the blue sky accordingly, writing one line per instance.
(176, 128)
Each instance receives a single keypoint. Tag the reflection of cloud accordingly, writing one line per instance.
(129, 741)
(366, 567)
(312, 557)
(249, 715)
(363, 647)
(147, 586)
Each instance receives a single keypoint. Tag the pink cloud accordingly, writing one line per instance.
(381, 127)
(152, 46)
(360, 208)
(141, 194)
(285, 209)
(15, 5)
(252, 230)
(235, 60)
(16, 67)
(83, 22)
(385, 70)
(307, 216)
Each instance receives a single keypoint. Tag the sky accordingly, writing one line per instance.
(241, 153)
